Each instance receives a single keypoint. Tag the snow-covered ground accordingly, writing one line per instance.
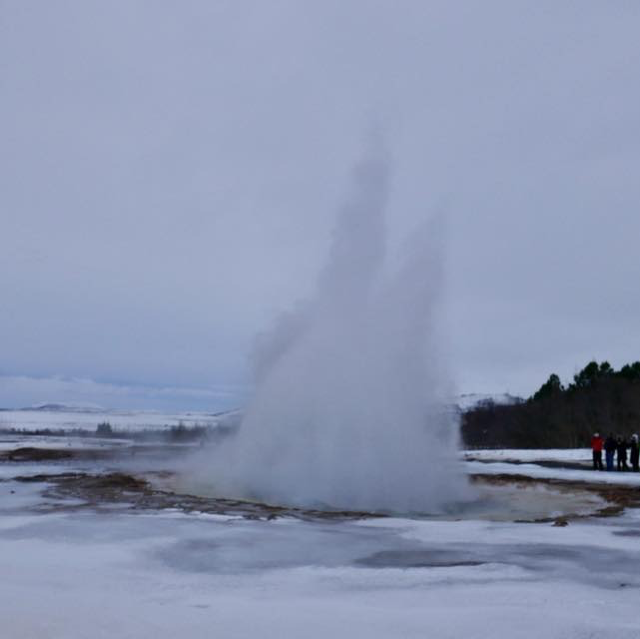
(522, 462)
(539, 472)
(528, 454)
(162, 575)
(15, 441)
(67, 418)
(137, 574)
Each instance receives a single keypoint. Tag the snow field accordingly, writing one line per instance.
(76, 577)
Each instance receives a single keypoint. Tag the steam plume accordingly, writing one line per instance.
(351, 401)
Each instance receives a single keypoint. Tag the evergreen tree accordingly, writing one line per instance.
(551, 387)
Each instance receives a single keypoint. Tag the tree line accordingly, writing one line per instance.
(599, 399)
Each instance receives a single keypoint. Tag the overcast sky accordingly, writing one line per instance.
(170, 173)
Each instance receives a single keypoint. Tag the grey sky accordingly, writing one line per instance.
(170, 173)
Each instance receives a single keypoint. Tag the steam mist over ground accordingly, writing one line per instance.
(352, 402)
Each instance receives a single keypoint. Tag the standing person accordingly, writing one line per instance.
(609, 450)
(622, 446)
(634, 455)
(596, 448)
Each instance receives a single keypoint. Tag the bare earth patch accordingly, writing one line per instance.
(94, 491)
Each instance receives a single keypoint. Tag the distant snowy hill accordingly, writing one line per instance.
(67, 408)
(472, 400)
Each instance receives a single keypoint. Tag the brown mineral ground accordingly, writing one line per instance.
(159, 490)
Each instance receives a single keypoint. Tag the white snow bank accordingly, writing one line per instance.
(540, 472)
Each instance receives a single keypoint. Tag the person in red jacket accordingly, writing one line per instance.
(596, 449)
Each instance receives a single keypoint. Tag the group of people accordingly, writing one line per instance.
(615, 447)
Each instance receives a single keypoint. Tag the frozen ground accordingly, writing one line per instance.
(72, 572)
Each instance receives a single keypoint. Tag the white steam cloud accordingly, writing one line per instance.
(352, 405)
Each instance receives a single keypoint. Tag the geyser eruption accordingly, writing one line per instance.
(351, 408)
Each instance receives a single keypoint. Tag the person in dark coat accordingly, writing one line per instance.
(634, 453)
(596, 448)
(622, 446)
(610, 450)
